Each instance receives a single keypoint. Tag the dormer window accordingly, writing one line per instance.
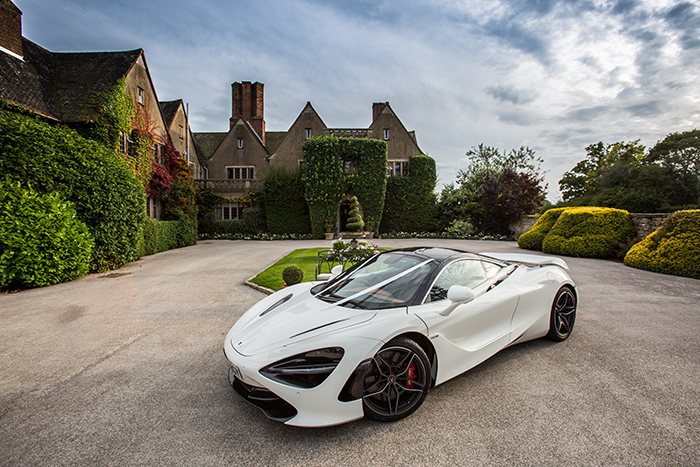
(240, 143)
(140, 95)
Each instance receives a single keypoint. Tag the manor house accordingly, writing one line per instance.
(238, 160)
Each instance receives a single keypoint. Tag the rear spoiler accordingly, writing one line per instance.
(528, 260)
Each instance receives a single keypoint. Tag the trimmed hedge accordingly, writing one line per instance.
(286, 210)
(41, 240)
(532, 239)
(159, 236)
(410, 204)
(106, 196)
(589, 232)
(674, 248)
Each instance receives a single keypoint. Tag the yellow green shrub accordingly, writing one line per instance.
(589, 232)
(674, 248)
(532, 239)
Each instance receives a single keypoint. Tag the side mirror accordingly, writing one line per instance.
(458, 295)
(335, 272)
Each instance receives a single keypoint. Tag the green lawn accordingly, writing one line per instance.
(305, 258)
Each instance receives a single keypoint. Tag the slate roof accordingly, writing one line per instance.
(273, 139)
(60, 84)
(169, 109)
(28, 82)
(208, 142)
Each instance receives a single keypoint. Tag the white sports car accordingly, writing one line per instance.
(374, 339)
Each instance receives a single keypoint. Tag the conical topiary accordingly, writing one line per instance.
(355, 221)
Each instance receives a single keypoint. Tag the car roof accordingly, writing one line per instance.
(440, 254)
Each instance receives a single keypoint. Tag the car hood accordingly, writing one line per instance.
(301, 317)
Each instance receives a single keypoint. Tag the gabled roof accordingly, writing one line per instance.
(170, 110)
(28, 81)
(207, 143)
(386, 109)
(80, 75)
(273, 139)
(308, 108)
(60, 84)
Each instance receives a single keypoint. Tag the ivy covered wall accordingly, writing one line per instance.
(410, 204)
(335, 166)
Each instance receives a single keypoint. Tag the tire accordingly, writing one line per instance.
(563, 315)
(398, 382)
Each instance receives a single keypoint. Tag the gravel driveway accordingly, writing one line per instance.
(126, 368)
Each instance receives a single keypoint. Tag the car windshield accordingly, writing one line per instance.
(388, 280)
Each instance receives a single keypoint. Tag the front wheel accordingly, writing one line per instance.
(563, 315)
(398, 381)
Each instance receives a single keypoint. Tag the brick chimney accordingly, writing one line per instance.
(248, 103)
(377, 108)
(10, 27)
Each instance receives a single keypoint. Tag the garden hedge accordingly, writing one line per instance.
(589, 232)
(106, 196)
(41, 240)
(674, 248)
(532, 239)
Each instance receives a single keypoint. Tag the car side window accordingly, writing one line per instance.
(467, 273)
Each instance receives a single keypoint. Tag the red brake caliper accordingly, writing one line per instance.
(411, 375)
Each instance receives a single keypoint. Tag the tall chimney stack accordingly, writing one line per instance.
(248, 103)
(10, 28)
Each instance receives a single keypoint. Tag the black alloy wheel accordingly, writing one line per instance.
(398, 382)
(563, 314)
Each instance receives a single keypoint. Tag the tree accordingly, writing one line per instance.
(583, 179)
(620, 175)
(495, 189)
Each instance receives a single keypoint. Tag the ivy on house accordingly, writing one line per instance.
(410, 200)
(326, 182)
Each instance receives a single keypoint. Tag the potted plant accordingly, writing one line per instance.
(328, 224)
(369, 226)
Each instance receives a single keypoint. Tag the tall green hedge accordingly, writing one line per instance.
(589, 232)
(532, 239)
(674, 248)
(107, 197)
(410, 204)
(41, 240)
(326, 182)
(286, 210)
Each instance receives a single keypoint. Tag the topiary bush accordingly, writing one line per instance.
(532, 239)
(292, 275)
(589, 232)
(41, 240)
(355, 222)
(674, 248)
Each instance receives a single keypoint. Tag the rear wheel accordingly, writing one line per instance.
(398, 381)
(563, 315)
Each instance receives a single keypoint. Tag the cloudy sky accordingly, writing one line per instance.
(552, 75)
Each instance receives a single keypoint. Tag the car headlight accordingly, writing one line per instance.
(305, 370)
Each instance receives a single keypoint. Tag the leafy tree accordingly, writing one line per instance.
(622, 176)
(494, 190)
(583, 179)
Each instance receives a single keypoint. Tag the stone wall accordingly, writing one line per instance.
(644, 223)
(648, 223)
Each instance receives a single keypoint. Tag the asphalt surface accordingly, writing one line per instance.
(126, 368)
